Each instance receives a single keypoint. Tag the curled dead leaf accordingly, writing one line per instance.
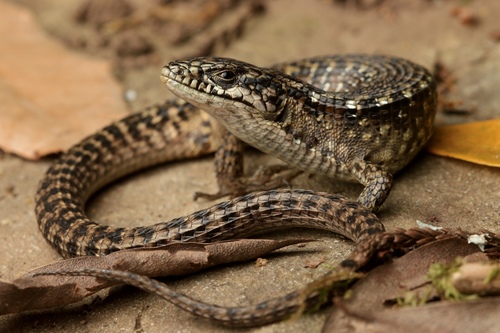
(39, 290)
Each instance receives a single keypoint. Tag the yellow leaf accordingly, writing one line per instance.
(477, 142)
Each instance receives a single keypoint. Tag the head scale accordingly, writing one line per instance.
(226, 83)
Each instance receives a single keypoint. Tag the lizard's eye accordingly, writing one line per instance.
(225, 78)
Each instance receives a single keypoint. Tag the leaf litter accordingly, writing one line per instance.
(395, 319)
(34, 75)
(38, 290)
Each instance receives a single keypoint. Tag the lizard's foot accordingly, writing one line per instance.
(264, 178)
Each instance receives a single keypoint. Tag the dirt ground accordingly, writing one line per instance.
(437, 190)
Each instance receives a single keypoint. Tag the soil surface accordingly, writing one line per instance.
(441, 191)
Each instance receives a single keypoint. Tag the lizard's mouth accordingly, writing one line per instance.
(183, 88)
(187, 83)
(235, 115)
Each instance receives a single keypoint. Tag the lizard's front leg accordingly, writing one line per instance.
(377, 182)
(229, 172)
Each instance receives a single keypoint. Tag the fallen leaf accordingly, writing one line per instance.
(444, 317)
(477, 278)
(477, 142)
(383, 286)
(38, 290)
(315, 262)
(50, 97)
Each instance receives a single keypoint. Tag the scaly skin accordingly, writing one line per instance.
(377, 114)
(373, 117)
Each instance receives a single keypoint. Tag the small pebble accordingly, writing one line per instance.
(130, 95)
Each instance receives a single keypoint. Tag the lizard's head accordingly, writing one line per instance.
(228, 89)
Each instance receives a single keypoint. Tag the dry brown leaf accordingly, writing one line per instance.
(444, 317)
(477, 142)
(33, 291)
(50, 98)
(314, 262)
(478, 278)
(385, 284)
